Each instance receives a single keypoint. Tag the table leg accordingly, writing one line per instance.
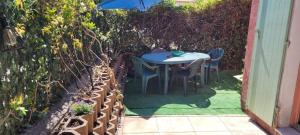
(166, 78)
(202, 74)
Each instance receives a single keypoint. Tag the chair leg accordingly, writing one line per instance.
(195, 83)
(207, 74)
(135, 77)
(217, 69)
(185, 85)
(143, 85)
(146, 84)
(159, 82)
(172, 80)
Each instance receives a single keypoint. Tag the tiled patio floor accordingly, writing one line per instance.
(189, 125)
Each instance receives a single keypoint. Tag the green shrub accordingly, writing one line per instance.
(200, 27)
(53, 42)
(81, 107)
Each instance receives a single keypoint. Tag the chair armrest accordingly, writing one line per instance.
(212, 60)
(150, 67)
(187, 66)
(217, 59)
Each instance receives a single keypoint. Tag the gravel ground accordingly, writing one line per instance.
(46, 124)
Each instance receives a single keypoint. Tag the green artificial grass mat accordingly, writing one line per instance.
(216, 98)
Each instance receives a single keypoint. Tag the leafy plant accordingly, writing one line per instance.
(16, 105)
(81, 107)
(54, 39)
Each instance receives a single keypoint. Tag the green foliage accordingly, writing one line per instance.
(16, 105)
(196, 6)
(202, 26)
(206, 25)
(54, 39)
(169, 3)
(81, 107)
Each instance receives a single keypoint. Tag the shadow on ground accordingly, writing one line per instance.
(216, 98)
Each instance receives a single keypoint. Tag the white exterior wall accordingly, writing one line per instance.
(290, 69)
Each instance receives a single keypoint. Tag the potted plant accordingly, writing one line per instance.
(108, 102)
(112, 77)
(117, 106)
(116, 112)
(120, 96)
(84, 110)
(100, 83)
(102, 91)
(114, 119)
(106, 79)
(94, 104)
(77, 124)
(112, 96)
(111, 128)
(96, 98)
(98, 127)
(102, 117)
(106, 110)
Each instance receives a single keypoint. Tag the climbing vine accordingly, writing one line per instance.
(56, 42)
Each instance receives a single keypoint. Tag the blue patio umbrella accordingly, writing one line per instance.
(141, 5)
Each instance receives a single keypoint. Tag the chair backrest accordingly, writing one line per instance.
(217, 53)
(158, 50)
(195, 67)
(138, 65)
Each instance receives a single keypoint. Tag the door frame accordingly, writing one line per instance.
(295, 115)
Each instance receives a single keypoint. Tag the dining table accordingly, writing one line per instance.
(167, 59)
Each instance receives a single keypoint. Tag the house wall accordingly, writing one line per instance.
(249, 48)
(291, 65)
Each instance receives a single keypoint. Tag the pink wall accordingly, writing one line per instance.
(290, 69)
(249, 48)
(291, 64)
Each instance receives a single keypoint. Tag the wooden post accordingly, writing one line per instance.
(249, 48)
(296, 104)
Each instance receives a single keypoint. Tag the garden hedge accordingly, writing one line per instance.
(221, 23)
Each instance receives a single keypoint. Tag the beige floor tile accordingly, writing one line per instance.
(207, 124)
(214, 133)
(239, 124)
(249, 133)
(142, 134)
(140, 125)
(183, 133)
(174, 124)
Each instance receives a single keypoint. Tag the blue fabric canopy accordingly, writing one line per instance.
(141, 5)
